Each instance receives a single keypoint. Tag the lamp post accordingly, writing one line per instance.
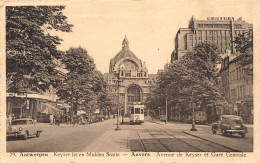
(118, 105)
(193, 115)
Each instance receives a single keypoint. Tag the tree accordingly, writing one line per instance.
(82, 83)
(244, 47)
(31, 50)
(195, 72)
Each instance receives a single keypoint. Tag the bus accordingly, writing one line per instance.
(137, 114)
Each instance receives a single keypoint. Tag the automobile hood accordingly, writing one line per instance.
(10, 129)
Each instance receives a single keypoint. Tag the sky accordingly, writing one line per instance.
(150, 26)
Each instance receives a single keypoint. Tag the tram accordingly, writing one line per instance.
(137, 114)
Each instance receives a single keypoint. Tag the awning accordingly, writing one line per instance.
(48, 109)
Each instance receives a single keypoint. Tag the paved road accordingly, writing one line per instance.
(151, 136)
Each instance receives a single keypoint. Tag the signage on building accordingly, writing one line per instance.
(220, 18)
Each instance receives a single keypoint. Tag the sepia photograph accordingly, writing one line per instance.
(130, 76)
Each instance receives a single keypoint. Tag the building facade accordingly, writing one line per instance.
(237, 87)
(218, 30)
(32, 104)
(128, 77)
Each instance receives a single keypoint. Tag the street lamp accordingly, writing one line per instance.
(193, 115)
(118, 105)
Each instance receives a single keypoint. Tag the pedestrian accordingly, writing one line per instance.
(51, 119)
(67, 119)
(74, 117)
(58, 119)
(10, 119)
(54, 120)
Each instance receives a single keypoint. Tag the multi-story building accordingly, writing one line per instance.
(218, 30)
(128, 76)
(237, 86)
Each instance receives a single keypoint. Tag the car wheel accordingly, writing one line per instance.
(38, 134)
(25, 136)
(243, 135)
(214, 131)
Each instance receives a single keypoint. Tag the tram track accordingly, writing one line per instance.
(188, 142)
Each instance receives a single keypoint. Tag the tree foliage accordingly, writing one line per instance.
(82, 83)
(31, 49)
(244, 47)
(195, 72)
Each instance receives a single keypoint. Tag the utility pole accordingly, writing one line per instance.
(193, 114)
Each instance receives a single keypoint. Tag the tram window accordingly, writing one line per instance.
(142, 111)
(137, 110)
(132, 111)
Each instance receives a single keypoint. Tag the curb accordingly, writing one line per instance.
(210, 141)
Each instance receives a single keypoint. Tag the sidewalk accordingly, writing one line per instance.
(112, 140)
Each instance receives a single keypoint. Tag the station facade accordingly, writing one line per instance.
(128, 77)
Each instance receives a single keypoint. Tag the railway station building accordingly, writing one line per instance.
(129, 78)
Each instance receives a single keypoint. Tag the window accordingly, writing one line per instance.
(139, 74)
(142, 111)
(200, 25)
(137, 110)
(128, 74)
(132, 111)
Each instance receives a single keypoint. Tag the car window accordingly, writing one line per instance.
(19, 122)
(142, 111)
(30, 122)
(132, 111)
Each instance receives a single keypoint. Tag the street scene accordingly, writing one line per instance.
(75, 83)
(151, 136)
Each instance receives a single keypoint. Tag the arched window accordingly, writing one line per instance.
(133, 94)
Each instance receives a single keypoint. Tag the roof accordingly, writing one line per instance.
(124, 53)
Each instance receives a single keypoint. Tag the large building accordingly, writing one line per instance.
(218, 30)
(134, 81)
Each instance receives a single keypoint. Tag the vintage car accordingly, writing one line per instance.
(23, 128)
(230, 124)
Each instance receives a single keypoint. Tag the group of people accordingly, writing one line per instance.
(59, 118)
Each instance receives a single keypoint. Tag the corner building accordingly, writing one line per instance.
(132, 74)
(218, 30)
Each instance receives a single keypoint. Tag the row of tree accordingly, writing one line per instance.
(195, 73)
(33, 61)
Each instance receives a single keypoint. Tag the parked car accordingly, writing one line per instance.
(230, 124)
(23, 128)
